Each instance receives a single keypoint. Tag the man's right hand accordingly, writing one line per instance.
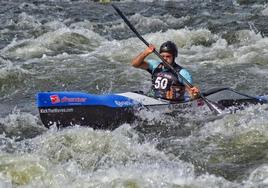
(138, 61)
(150, 49)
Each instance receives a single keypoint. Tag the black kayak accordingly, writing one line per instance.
(108, 111)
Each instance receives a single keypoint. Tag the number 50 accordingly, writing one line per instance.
(161, 83)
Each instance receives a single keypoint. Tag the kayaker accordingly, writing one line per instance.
(165, 84)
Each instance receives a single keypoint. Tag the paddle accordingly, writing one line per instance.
(214, 107)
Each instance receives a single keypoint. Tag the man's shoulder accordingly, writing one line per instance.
(152, 63)
(186, 74)
(184, 70)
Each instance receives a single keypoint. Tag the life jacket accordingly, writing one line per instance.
(166, 85)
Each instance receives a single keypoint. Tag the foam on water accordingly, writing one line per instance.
(84, 157)
(12, 77)
(224, 146)
(258, 178)
(53, 43)
(88, 154)
(21, 125)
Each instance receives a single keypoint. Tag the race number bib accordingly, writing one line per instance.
(161, 83)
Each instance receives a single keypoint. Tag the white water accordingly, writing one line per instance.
(51, 52)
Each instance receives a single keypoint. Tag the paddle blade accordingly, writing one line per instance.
(213, 106)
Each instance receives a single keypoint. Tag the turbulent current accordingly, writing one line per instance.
(83, 45)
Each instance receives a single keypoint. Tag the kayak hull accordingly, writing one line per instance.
(97, 117)
(103, 117)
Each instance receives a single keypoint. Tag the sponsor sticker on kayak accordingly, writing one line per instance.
(200, 102)
(123, 103)
(55, 99)
(73, 99)
(55, 110)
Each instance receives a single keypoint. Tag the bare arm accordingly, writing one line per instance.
(139, 61)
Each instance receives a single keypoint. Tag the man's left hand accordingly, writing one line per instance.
(194, 92)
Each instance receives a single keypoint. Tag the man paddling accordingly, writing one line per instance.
(165, 84)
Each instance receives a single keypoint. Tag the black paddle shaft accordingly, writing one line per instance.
(212, 106)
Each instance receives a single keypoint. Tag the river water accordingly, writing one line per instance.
(83, 45)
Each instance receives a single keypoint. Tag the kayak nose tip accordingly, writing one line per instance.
(263, 99)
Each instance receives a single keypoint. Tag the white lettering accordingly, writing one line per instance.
(161, 83)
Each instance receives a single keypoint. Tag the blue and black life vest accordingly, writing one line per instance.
(166, 85)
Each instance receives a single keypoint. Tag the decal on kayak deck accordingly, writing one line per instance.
(123, 103)
(56, 99)
(78, 99)
(55, 110)
(200, 102)
(184, 105)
